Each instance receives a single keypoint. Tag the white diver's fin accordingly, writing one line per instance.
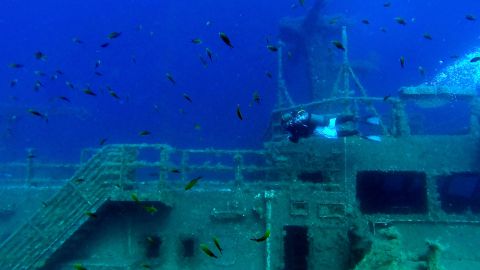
(374, 120)
(374, 138)
(332, 123)
(327, 132)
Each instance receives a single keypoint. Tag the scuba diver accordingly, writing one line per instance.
(302, 124)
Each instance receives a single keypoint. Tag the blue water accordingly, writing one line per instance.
(158, 34)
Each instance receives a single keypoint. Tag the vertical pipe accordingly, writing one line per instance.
(268, 226)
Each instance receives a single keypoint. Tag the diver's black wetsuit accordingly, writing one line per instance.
(302, 124)
(299, 125)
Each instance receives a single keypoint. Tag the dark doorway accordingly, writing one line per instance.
(188, 246)
(296, 247)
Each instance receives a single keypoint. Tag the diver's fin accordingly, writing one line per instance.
(332, 122)
(373, 120)
(374, 138)
(326, 132)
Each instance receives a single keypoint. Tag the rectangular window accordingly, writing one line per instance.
(392, 192)
(460, 192)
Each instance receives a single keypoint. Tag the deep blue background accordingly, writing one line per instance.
(158, 35)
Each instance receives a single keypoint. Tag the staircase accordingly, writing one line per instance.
(91, 186)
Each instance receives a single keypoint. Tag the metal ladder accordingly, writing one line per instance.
(46, 231)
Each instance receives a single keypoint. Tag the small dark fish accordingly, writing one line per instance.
(400, 21)
(387, 4)
(209, 54)
(113, 94)
(268, 74)
(54, 77)
(16, 65)
(203, 61)
(263, 238)
(150, 240)
(150, 209)
(170, 78)
(102, 141)
(197, 126)
(239, 113)
(255, 98)
(134, 59)
(70, 84)
(225, 39)
(64, 98)
(90, 214)
(59, 72)
(89, 92)
(113, 35)
(334, 20)
(79, 266)
(383, 29)
(454, 56)
(470, 17)
(387, 97)
(38, 114)
(144, 133)
(421, 70)
(13, 82)
(98, 73)
(338, 45)
(217, 244)
(427, 36)
(77, 40)
(187, 97)
(30, 156)
(38, 84)
(207, 251)
(98, 63)
(105, 45)
(79, 180)
(475, 59)
(196, 41)
(175, 171)
(192, 182)
(40, 73)
(40, 56)
(402, 61)
(135, 198)
(146, 266)
(365, 21)
(272, 48)
(301, 2)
